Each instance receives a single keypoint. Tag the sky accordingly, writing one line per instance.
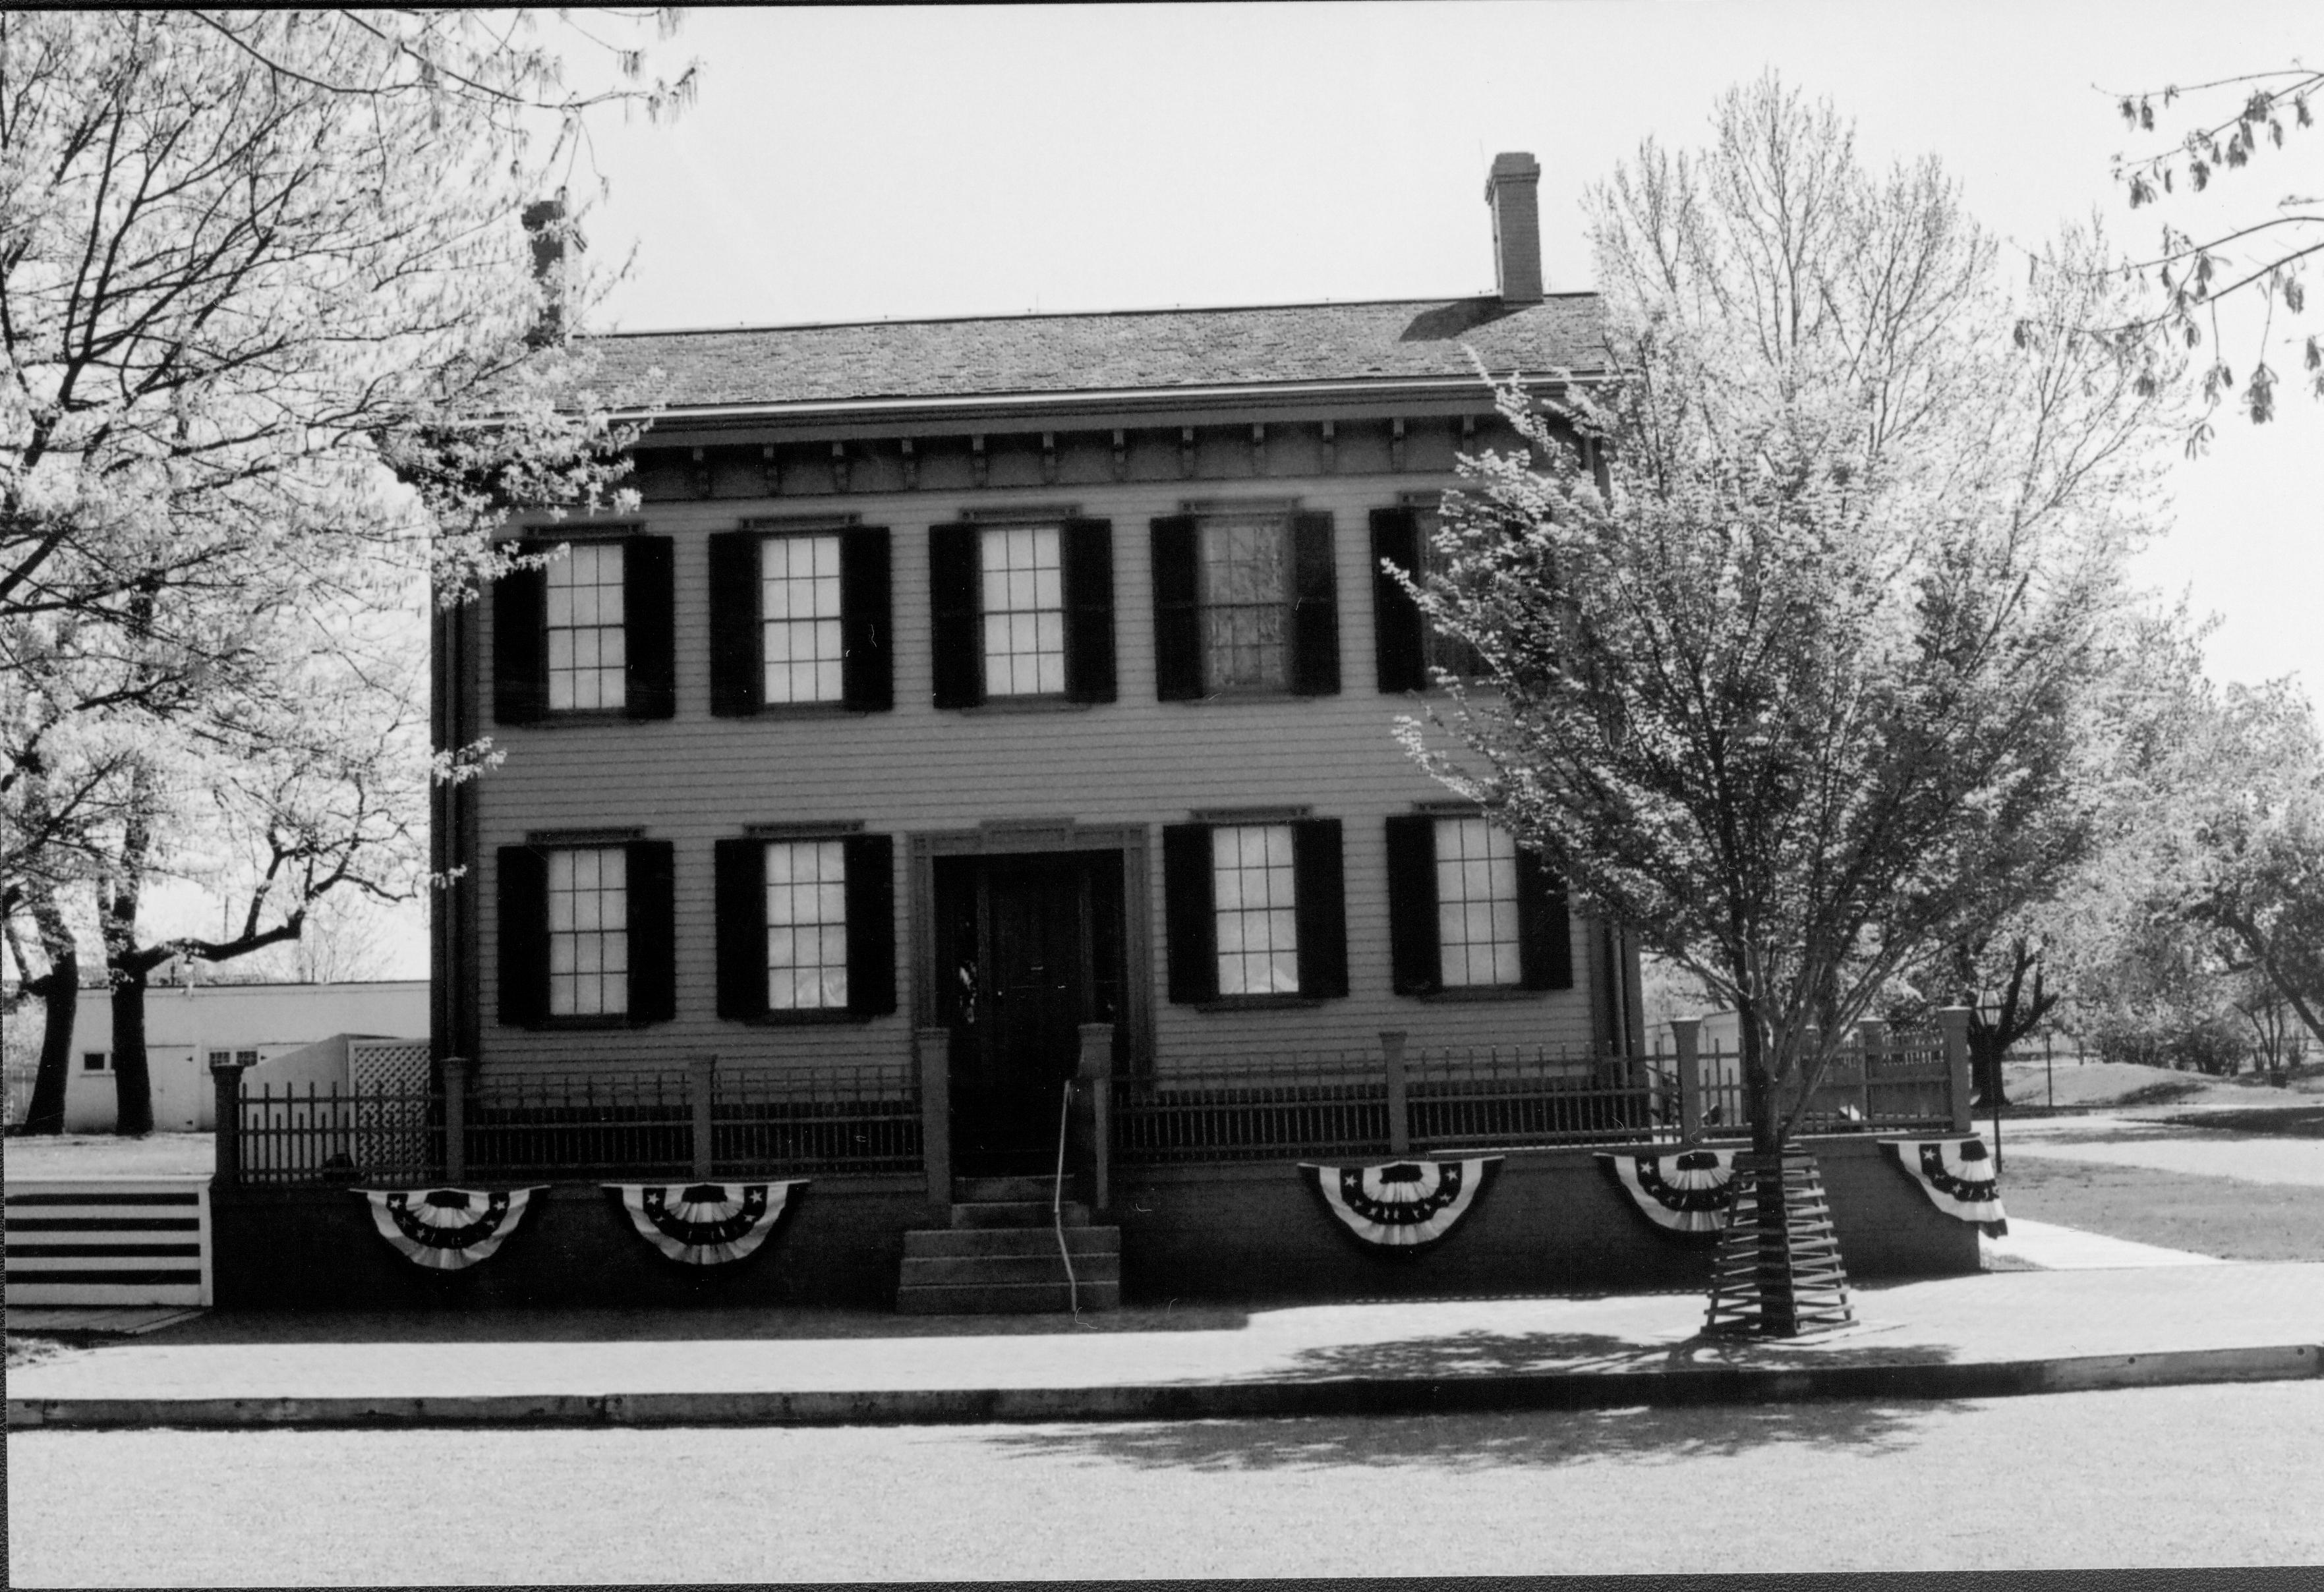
(861, 163)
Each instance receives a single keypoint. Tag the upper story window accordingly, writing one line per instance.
(1245, 603)
(588, 932)
(1467, 910)
(799, 619)
(1022, 611)
(588, 659)
(585, 633)
(806, 925)
(1408, 646)
(799, 612)
(1254, 909)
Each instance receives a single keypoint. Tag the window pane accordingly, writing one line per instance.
(588, 943)
(806, 925)
(585, 647)
(1245, 595)
(1024, 630)
(1476, 902)
(799, 605)
(1253, 892)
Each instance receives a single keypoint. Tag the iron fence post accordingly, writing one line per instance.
(1872, 1040)
(457, 1071)
(1686, 1034)
(934, 1048)
(1399, 1121)
(701, 1079)
(1952, 1021)
(1096, 1074)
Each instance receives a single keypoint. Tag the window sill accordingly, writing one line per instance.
(1227, 698)
(585, 715)
(818, 1019)
(577, 1025)
(1255, 1003)
(1460, 994)
(804, 709)
(1026, 704)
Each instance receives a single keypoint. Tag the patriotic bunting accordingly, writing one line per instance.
(447, 1230)
(1687, 1192)
(707, 1223)
(1403, 1207)
(1957, 1174)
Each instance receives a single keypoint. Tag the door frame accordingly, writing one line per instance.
(1133, 1048)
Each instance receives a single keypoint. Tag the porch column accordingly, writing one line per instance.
(933, 1046)
(456, 1117)
(1399, 1119)
(1686, 1032)
(1096, 1076)
(1952, 1021)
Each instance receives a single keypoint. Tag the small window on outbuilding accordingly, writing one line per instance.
(93, 1061)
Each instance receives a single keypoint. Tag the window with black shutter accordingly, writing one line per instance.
(1469, 909)
(1408, 646)
(587, 934)
(806, 927)
(1022, 611)
(800, 618)
(1255, 910)
(1245, 603)
(586, 634)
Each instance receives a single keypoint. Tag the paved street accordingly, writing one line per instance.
(2124, 1140)
(2160, 1477)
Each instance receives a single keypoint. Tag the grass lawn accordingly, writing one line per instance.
(2233, 1220)
(105, 1155)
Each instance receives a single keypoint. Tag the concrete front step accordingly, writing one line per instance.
(1005, 1299)
(978, 1191)
(1019, 1213)
(954, 1244)
(934, 1271)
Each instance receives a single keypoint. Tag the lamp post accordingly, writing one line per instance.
(1991, 1017)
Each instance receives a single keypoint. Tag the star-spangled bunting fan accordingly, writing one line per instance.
(1958, 1175)
(447, 1230)
(1686, 1193)
(706, 1223)
(1402, 1207)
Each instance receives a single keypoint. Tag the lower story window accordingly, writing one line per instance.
(806, 925)
(1254, 892)
(1475, 903)
(588, 932)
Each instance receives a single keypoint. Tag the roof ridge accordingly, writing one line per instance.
(1024, 317)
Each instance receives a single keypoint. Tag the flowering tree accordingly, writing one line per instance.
(1790, 661)
(254, 269)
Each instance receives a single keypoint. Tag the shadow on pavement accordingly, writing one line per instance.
(1540, 1440)
(1481, 1353)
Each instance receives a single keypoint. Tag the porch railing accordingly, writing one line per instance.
(698, 1121)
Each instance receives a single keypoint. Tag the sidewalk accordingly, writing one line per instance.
(2120, 1320)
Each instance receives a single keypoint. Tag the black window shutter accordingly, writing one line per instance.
(741, 867)
(870, 925)
(1322, 907)
(1544, 931)
(1187, 912)
(1178, 616)
(867, 670)
(959, 650)
(735, 681)
(650, 688)
(1413, 953)
(524, 936)
(519, 649)
(1397, 629)
(654, 933)
(1086, 553)
(1315, 608)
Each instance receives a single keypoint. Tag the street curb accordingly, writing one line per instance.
(1362, 1395)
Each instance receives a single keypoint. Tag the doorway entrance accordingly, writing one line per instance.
(1028, 948)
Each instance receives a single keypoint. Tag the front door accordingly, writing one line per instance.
(1033, 951)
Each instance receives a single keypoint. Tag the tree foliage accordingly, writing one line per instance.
(274, 365)
(1792, 661)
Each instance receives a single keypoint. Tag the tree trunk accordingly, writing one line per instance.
(1984, 1057)
(132, 1081)
(59, 992)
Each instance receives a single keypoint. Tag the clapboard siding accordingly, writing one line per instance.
(694, 780)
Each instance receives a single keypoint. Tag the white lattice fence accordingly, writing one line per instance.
(389, 1080)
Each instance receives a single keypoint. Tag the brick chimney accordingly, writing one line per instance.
(545, 224)
(1509, 191)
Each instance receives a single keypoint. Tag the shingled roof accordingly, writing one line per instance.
(1143, 350)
